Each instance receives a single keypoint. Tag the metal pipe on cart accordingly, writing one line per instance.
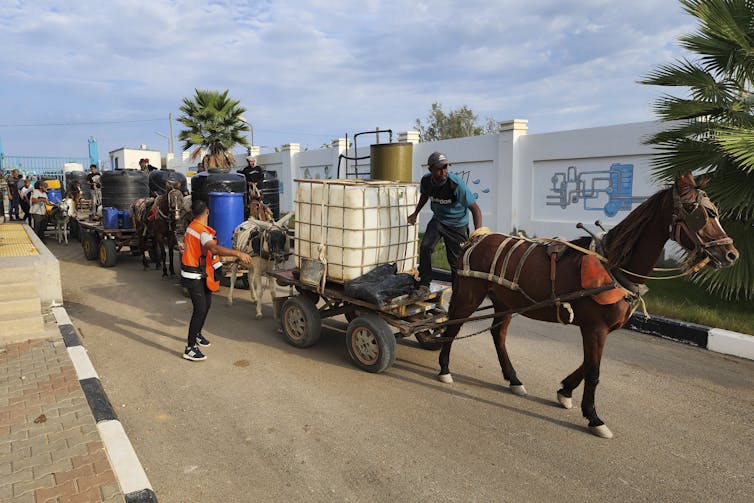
(355, 156)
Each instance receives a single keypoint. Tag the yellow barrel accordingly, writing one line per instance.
(392, 162)
(52, 183)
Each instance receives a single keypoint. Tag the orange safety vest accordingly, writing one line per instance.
(192, 256)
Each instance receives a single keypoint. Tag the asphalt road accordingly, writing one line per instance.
(263, 421)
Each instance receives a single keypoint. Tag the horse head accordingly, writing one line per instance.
(696, 224)
(174, 199)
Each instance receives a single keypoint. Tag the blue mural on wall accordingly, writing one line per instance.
(465, 175)
(593, 187)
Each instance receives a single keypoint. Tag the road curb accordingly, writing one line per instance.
(128, 470)
(712, 339)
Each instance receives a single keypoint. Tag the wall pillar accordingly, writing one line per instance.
(409, 137)
(509, 170)
(289, 171)
(339, 146)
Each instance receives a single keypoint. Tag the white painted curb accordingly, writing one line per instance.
(123, 458)
(731, 343)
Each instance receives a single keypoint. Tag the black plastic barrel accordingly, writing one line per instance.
(78, 176)
(271, 192)
(159, 177)
(121, 187)
(216, 181)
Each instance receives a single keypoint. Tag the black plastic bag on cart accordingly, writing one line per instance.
(380, 285)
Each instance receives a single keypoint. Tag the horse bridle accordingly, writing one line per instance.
(692, 221)
(175, 210)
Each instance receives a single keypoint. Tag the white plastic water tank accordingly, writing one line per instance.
(72, 166)
(358, 224)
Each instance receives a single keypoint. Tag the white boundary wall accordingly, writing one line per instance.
(542, 183)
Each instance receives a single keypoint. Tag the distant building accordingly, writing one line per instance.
(128, 158)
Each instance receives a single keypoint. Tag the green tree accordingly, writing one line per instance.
(711, 127)
(453, 124)
(214, 124)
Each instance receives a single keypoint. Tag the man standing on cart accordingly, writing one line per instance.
(200, 274)
(451, 201)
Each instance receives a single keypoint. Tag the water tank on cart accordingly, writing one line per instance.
(216, 181)
(121, 187)
(271, 192)
(392, 162)
(159, 177)
(226, 212)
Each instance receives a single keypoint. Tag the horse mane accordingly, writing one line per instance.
(623, 238)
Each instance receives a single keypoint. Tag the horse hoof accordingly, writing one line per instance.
(259, 316)
(445, 378)
(601, 431)
(518, 389)
(565, 401)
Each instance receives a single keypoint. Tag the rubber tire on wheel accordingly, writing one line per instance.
(245, 282)
(108, 254)
(301, 321)
(423, 338)
(371, 343)
(90, 244)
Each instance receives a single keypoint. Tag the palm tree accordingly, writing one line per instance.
(215, 125)
(711, 127)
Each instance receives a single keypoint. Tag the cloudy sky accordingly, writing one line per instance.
(310, 71)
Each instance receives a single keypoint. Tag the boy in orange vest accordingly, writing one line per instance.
(200, 274)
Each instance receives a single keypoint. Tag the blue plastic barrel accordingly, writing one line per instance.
(54, 195)
(110, 218)
(125, 219)
(225, 214)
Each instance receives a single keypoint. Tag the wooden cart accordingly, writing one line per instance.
(372, 329)
(105, 244)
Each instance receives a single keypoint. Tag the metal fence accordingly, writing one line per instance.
(38, 167)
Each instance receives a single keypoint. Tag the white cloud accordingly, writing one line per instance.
(324, 66)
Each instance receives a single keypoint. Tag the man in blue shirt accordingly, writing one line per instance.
(451, 201)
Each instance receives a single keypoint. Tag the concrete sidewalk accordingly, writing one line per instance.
(60, 439)
(50, 449)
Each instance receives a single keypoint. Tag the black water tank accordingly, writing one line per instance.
(159, 177)
(216, 181)
(78, 176)
(121, 187)
(271, 192)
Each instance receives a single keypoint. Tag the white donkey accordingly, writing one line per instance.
(268, 244)
(61, 216)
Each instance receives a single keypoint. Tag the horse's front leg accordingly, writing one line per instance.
(163, 260)
(569, 384)
(594, 343)
(65, 230)
(171, 249)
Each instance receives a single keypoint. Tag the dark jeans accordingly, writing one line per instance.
(454, 237)
(25, 206)
(40, 225)
(13, 211)
(201, 298)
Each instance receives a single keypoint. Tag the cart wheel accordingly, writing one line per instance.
(302, 324)
(89, 243)
(425, 340)
(371, 343)
(245, 282)
(107, 253)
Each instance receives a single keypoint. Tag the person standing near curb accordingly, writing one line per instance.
(200, 274)
(451, 201)
(39, 209)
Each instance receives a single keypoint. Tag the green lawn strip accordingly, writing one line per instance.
(681, 299)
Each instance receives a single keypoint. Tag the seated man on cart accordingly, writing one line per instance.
(451, 201)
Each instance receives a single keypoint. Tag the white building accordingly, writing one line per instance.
(128, 158)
